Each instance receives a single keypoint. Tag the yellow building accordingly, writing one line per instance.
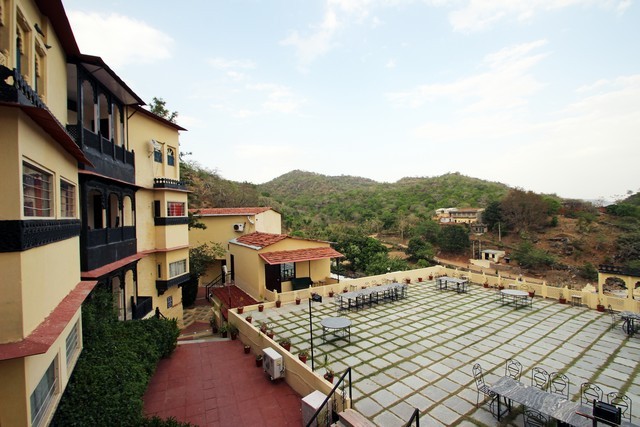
(42, 291)
(91, 196)
(265, 262)
(459, 215)
(224, 224)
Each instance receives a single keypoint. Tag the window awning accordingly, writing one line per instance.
(298, 255)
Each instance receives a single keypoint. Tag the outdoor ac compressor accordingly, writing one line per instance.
(273, 364)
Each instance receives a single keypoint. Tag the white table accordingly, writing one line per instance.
(513, 296)
(340, 326)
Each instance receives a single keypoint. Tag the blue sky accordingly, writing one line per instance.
(538, 94)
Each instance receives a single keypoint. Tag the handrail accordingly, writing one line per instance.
(330, 415)
(415, 417)
(215, 282)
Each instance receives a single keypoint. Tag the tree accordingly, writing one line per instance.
(418, 249)
(158, 107)
(529, 256)
(454, 239)
(524, 211)
(492, 215)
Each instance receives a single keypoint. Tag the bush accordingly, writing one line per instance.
(114, 368)
(530, 257)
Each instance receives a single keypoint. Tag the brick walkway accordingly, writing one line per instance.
(216, 384)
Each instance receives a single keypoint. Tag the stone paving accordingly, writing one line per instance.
(418, 352)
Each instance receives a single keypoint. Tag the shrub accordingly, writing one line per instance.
(114, 368)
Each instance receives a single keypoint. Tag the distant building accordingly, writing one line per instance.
(459, 215)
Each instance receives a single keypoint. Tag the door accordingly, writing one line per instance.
(233, 269)
(272, 277)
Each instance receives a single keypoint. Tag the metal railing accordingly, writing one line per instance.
(327, 412)
(215, 283)
(414, 418)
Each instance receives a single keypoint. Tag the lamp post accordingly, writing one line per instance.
(317, 298)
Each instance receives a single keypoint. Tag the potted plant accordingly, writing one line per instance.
(212, 323)
(303, 356)
(344, 290)
(407, 280)
(249, 318)
(233, 331)
(260, 307)
(240, 309)
(419, 279)
(532, 292)
(561, 298)
(329, 373)
(270, 333)
(247, 349)
(258, 360)
(224, 329)
(285, 343)
(431, 277)
(600, 306)
(331, 293)
(278, 302)
(297, 300)
(263, 327)
(486, 284)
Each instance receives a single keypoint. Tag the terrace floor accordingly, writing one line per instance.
(418, 352)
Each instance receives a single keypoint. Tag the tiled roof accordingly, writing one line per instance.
(228, 211)
(260, 240)
(47, 332)
(297, 255)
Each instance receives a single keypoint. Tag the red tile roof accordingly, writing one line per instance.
(297, 255)
(105, 269)
(228, 211)
(47, 332)
(261, 240)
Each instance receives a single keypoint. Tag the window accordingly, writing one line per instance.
(287, 271)
(73, 343)
(175, 209)
(177, 268)
(43, 394)
(169, 302)
(171, 157)
(36, 189)
(67, 200)
(157, 154)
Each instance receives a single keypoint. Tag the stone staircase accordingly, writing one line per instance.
(352, 418)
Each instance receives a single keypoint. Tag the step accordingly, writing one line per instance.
(353, 418)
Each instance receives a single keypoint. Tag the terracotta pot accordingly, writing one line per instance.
(562, 300)
(297, 301)
(247, 349)
(532, 294)
(419, 279)
(407, 281)
(303, 359)
(258, 363)
(278, 303)
(261, 308)
(486, 285)
(249, 319)
(330, 294)
(240, 310)
(270, 335)
(600, 308)
(263, 329)
(329, 378)
(286, 346)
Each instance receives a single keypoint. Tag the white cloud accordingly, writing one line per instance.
(391, 63)
(224, 63)
(118, 39)
(476, 15)
(318, 43)
(506, 83)
(279, 98)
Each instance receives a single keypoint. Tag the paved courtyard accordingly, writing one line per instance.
(418, 352)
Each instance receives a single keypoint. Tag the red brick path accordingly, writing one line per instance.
(216, 384)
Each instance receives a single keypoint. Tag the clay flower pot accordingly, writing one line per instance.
(278, 303)
(330, 294)
(259, 361)
(261, 307)
(240, 310)
(297, 300)
(600, 308)
(247, 349)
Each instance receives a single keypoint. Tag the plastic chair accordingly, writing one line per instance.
(513, 369)
(478, 376)
(539, 378)
(559, 384)
(622, 401)
(590, 392)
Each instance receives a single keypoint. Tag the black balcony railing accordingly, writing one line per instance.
(168, 183)
(142, 307)
(19, 91)
(106, 245)
(617, 269)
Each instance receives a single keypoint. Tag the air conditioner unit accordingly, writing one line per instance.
(273, 364)
(238, 227)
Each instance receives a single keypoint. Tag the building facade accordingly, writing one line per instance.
(86, 204)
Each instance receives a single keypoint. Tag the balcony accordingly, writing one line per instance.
(173, 184)
(19, 92)
(163, 285)
(109, 159)
(106, 245)
(142, 308)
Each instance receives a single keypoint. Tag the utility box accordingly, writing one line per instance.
(310, 404)
(273, 364)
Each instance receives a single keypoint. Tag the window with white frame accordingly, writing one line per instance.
(73, 343)
(171, 157)
(37, 192)
(175, 209)
(43, 394)
(177, 268)
(67, 199)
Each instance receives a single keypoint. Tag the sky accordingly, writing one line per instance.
(542, 95)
